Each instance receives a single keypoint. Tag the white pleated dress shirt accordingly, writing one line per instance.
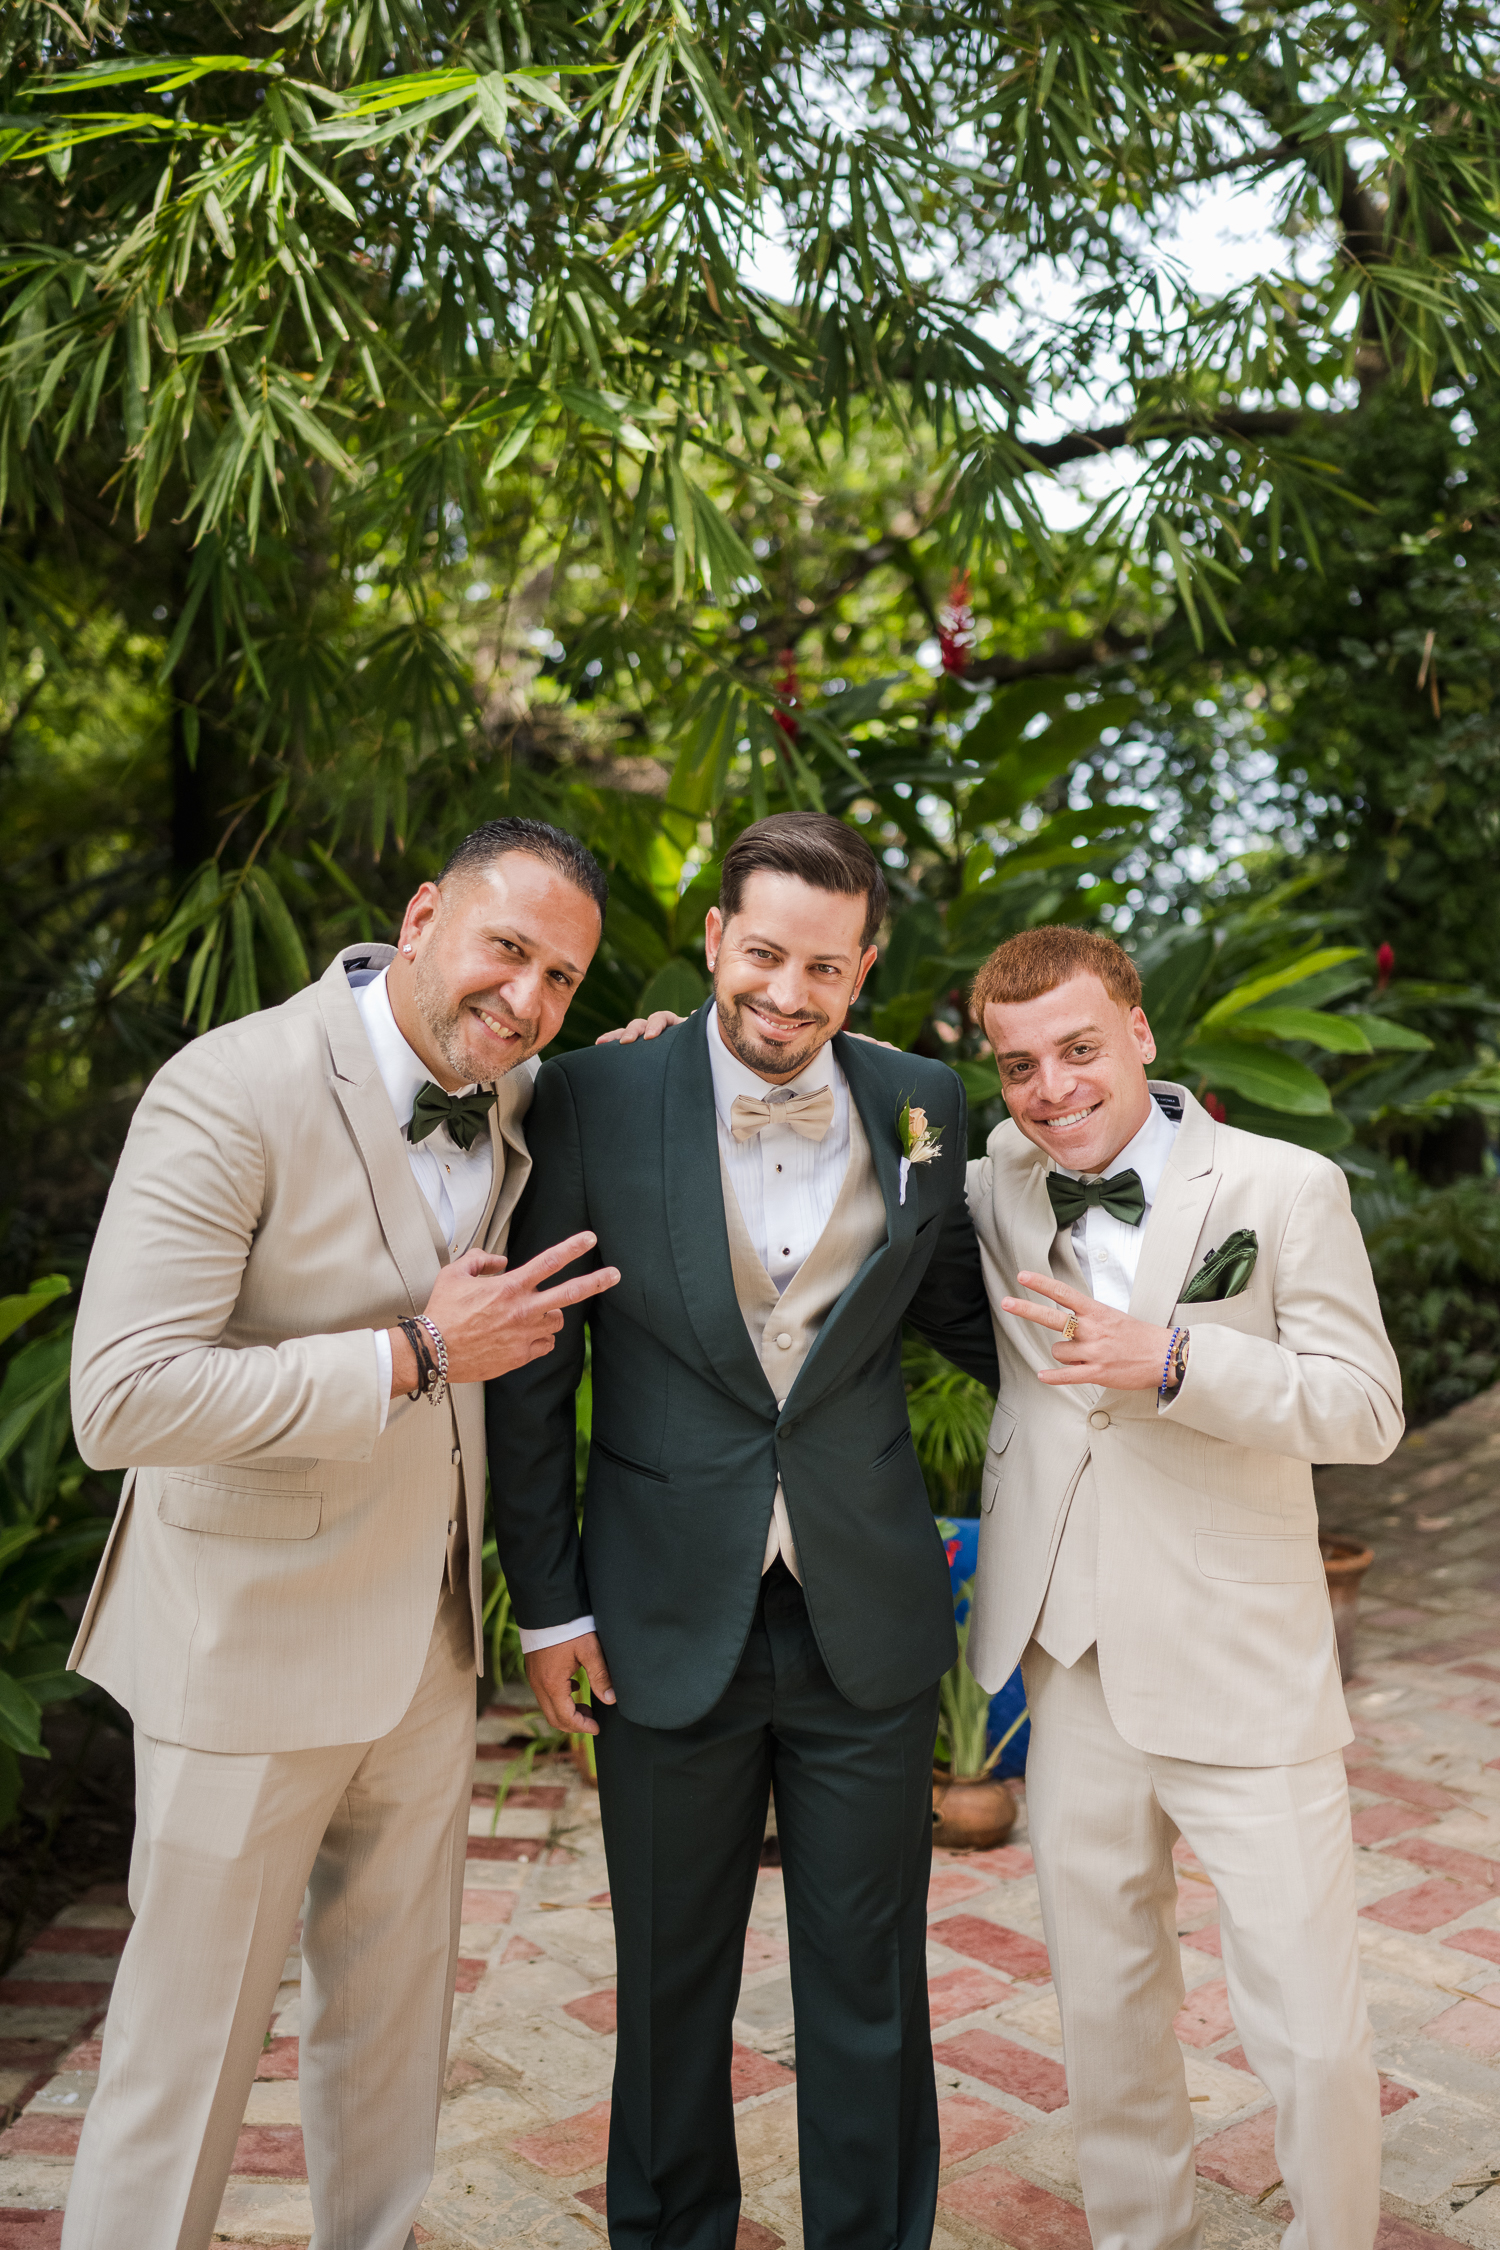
(455, 1181)
(786, 1188)
(1107, 1249)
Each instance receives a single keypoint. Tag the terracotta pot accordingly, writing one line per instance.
(970, 1815)
(1345, 1562)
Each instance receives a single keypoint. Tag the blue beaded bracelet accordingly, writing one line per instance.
(1166, 1373)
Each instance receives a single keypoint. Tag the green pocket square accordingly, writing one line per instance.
(1225, 1271)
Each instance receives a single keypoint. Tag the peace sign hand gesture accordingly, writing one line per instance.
(1096, 1344)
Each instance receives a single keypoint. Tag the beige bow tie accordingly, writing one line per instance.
(807, 1114)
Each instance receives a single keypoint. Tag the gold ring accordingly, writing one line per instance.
(1070, 1329)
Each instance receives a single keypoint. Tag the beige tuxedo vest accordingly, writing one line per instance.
(783, 1329)
(275, 1564)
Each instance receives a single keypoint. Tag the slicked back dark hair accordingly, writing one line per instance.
(554, 846)
(823, 852)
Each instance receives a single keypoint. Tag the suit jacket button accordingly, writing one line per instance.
(784, 1341)
(1098, 1420)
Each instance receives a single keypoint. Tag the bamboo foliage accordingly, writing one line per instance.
(379, 285)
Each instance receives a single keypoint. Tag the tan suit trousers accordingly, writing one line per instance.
(1275, 1842)
(226, 1845)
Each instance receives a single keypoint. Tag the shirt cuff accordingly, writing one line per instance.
(548, 1636)
(384, 1368)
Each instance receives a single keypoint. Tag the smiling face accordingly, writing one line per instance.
(1073, 1068)
(494, 958)
(787, 968)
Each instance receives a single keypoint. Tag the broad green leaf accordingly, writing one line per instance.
(1260, 1074)
(1339, 1035)
(1386, 1036)
(1171, 973)
(1322, 1134)
(1276, 980)
(981, 1079)
(676, 985)
(1023, 771)
(280, 929)
(34, 1378)
(20, 1717)
(494, 107)
(14, 1540)
(1071, 837)
(16, 1311)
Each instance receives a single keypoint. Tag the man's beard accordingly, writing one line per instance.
(444, 1025)
(737, 1028)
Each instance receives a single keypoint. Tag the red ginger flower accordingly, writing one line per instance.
(1216, 1109)
(956, 634)
(1385, 966)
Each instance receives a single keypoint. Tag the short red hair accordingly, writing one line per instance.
(1038, 961)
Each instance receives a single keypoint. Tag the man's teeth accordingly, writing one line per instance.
(501, 1030)
(1074, 1117)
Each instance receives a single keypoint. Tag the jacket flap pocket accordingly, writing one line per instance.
(239, 1512)
(1002, 1430)
(1260, 1558)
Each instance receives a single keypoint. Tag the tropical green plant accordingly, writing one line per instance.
(964, 1710)
(50, 1536)
(1436, 1256)
(303, 327)
(950, 1422)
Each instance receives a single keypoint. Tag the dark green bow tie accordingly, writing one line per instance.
(1121, 1195)
(465, 1115)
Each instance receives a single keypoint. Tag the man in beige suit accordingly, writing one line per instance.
(1199, 1325)
(293, 1301)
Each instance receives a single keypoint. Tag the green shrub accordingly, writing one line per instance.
(51, 1534)
(1436, 1255)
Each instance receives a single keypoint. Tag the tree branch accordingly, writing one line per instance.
(1083, 445)
(1107, 647)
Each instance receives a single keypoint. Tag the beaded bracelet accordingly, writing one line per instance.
(1166, 1373)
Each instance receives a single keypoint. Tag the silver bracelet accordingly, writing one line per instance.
(440, 1389)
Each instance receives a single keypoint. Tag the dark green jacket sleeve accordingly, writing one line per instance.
(950, 1307)
(530, 1414)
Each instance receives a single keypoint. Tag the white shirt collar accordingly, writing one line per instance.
(732, 1077)
(1146, 1155)
(402, 1073)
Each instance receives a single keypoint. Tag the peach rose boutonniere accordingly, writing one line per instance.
(920, 1144)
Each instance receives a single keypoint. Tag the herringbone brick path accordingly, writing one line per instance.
(524, 2122)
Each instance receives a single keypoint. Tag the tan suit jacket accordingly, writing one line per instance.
(1215, 1635)
(275, 1564)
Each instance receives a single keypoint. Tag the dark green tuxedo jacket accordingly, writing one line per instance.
(687, 1437)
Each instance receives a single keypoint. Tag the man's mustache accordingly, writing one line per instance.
(746, 1000)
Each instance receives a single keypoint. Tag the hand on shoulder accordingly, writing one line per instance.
(640, 1027)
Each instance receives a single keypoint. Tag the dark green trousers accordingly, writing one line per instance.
(684, 1812)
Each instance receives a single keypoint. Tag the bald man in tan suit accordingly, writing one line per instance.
(293, 1301)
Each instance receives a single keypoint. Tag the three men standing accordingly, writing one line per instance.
(297, 1287)
(758, 1549)
(293, 1300)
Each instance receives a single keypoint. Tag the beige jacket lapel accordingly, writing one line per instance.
(412, 1234)
(1178, 1215)
(512, 1158)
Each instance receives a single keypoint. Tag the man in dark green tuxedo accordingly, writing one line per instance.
(758, 1557)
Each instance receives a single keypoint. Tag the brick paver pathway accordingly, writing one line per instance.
(525, 2120)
